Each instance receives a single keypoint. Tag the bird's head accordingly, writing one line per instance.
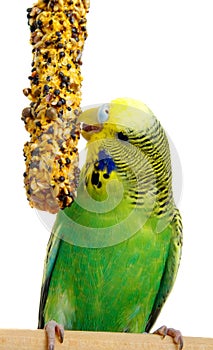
(125, 140)
(120, 119)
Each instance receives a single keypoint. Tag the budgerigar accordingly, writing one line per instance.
(113, 255)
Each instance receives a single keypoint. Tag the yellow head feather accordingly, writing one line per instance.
(123, 113)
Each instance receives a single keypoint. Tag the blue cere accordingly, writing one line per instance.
(105, 161)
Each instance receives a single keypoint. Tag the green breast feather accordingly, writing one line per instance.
(113, 255)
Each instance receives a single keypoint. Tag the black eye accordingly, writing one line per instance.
(122, 136)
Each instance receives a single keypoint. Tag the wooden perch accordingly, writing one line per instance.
(36, 340)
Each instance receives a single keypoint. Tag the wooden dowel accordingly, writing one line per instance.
(11, 339)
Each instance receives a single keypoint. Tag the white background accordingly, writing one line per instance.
(156, 51)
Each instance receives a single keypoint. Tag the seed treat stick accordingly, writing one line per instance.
(58, 32)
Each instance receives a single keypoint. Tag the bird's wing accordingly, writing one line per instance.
(170, 271)
(51, 257)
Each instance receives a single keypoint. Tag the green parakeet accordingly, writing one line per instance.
(113, 255)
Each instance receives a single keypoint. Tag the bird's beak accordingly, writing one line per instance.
(89, 122)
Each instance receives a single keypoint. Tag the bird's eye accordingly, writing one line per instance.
(103, 113)
(122, 136)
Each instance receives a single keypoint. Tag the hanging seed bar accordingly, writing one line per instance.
(58, 32)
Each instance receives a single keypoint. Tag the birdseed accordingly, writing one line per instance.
(57, 36)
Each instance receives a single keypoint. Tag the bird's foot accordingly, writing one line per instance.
(52, 328)
(175, 334)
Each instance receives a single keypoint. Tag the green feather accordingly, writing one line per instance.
(113, 255)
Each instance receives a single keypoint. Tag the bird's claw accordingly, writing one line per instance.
(52, 328)
(175, 334)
